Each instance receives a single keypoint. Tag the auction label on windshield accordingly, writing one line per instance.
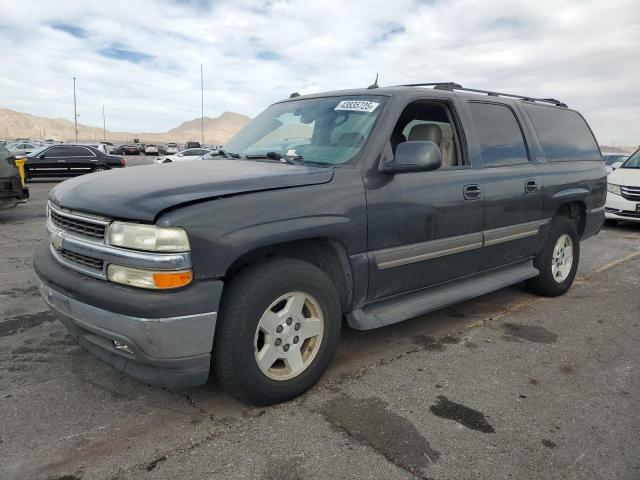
(357, 106)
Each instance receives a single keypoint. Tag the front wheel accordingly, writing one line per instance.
(558, 259)
(278, 331)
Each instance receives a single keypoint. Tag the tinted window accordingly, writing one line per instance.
(79, 152)
(499, 134)
(56, 152)
(563, 133)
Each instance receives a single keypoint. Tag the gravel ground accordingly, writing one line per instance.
(509, 385)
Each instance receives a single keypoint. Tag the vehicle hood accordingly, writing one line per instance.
(625, 176)
(141, 193)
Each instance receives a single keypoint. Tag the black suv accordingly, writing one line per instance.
(68, 160)
(371, 206)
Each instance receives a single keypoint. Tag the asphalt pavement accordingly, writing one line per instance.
(509, 385)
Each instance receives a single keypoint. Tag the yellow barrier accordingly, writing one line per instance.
(20, 165)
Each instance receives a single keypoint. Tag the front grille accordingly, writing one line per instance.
(74, 224)
(6, 186)
(91, 262)
(630, 193)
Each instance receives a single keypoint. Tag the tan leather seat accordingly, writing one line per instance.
(431, 132)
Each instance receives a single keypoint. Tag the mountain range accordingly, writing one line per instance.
(22, 125)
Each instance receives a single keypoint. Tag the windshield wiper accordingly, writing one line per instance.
(292, 159)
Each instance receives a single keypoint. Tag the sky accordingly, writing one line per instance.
(141, 58)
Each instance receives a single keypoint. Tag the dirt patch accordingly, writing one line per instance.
(532, 333)
(548, 443)
(435, 344)
(23, 322)
(462, 414)
(370, 422)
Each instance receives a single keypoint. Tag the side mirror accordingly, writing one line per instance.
(414, 156)
(616, 165)
(42, 155)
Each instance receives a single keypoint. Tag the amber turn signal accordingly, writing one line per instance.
(172, 279)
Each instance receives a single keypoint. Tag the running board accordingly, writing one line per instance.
(409, 305)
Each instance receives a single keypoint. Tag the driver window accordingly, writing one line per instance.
(428, 121)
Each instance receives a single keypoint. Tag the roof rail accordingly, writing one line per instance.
(451, 86)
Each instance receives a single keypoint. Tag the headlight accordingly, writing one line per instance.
(147, 237)
(136, 277)
(613, 188)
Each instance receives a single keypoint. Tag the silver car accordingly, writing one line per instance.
(21, 148)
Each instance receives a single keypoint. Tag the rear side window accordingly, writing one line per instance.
(499, 134)
(563, 133)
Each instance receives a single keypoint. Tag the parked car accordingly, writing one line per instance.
(110, 147)
(623, 191)
(184, 155)
(613, 160)
(192, 145)
(396, 202)
(151, 149)
(172, 149)
(12, 188)
(21, 148)
(69, 160)
(131, 149)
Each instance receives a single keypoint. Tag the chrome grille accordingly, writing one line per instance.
(630, 193)
(77, 225)
(91, 262)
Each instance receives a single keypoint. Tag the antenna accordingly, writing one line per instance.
(374, 84)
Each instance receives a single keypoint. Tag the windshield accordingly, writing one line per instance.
(37, 151)
(328, 130)
(633, 161)
(11, 145)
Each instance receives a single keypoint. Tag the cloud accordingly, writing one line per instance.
(120, 53)
(72, 30)
(141, 58)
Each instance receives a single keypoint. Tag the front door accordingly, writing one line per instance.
(424, 228)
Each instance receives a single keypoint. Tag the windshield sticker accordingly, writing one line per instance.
(357, 106)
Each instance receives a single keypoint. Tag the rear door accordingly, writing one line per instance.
(512, 185)
(80, 160)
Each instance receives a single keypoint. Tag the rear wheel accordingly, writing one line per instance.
(278, 331)
(100, 169)
(558, 259)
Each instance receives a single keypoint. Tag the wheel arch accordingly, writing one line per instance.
(328, 254)
(575, 210)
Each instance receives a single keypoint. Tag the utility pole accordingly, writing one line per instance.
(202, 105)
(75, 110)
(104, 126)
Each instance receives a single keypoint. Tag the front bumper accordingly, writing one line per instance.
(619, 208)
(169, 335)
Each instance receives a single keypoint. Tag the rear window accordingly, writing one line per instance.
(563, 133)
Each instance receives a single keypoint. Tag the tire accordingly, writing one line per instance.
(100, 169)
(246, 303)
(554, 280)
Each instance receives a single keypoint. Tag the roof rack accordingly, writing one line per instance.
(451, 86)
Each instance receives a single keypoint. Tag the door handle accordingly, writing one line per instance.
(531, 186)
(472, 192)
(61, 161)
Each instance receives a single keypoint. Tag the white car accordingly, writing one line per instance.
(623, 191)
(151, 149)
(20, 149)
(172, 148)
(185, 155)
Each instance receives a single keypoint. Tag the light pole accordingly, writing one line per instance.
(75, 110)
(104, 126)
(201, 106)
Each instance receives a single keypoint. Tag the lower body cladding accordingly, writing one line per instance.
(145, 341)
